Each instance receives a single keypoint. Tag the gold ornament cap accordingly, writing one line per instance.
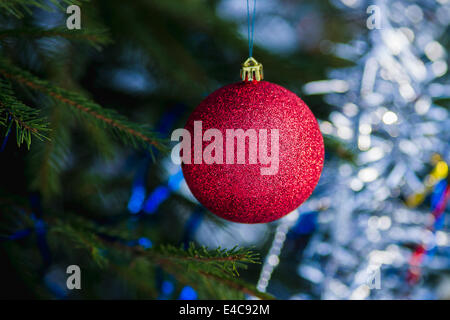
(252, 70)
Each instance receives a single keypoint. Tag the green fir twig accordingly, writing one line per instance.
(137, 135)
(28, 121)
(20, 8)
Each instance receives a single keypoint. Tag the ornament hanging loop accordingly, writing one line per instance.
(252, 70)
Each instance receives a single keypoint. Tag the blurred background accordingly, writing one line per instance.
(374, 73)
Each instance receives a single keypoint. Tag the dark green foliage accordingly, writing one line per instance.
(19, 8)
(26, 121)
(204, 269)
(57, 96)
(129, 132)
(48, 160)
(94, 37)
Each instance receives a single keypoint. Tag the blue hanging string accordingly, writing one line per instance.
(252, 22)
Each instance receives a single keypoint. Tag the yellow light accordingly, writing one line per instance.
(441, 170)
(415, 199)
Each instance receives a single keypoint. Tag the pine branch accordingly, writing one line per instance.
(239, 286)
(212, 272)
(219, 266)
(127, 131)
(216, 284)
(219, 260)
(81, 239)
(27, 120)
(19, 8)
(48, 160)
(95, 37)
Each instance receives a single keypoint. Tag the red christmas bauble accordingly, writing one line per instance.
(239, 192)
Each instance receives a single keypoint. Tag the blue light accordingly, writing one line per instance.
(187, 293)
(439, 223)
(306, 224)
(160, 194)
(438, 191)
(175, 180)
(132, 80)
(167, 287)
(39, 225)
(19, 234)
(145, 243)
(136, 199)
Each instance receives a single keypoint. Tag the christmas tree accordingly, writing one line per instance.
(90, 92)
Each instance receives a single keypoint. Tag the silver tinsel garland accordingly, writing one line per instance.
(386, 113)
